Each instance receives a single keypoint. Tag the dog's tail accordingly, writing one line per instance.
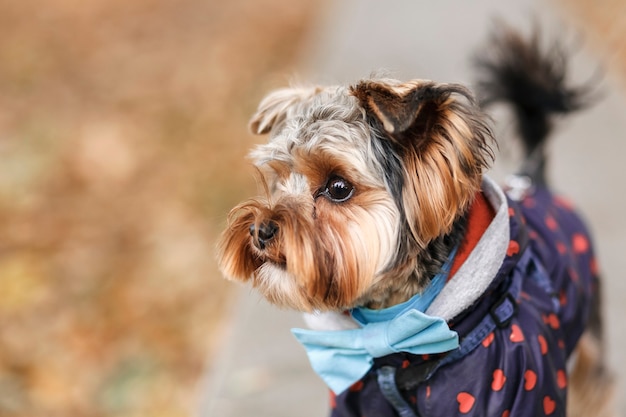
(518, 72)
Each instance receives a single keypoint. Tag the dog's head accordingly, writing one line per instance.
(359, 181)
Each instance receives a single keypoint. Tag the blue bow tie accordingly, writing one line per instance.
(343, 357)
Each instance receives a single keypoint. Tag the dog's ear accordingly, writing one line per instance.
(412, 106)
(442, 138)
(396, 107)
(273, 108)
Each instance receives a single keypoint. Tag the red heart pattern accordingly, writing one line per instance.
(561, 379)
(498, 380)
(549, 405)
(543, 344)
(488, 340)
(516, 334)
(466, 402)
(530, 380)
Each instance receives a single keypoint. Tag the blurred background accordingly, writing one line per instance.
(122, 142)
(122, 147)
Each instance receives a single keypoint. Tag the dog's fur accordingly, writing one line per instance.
(412, 172)
(367, 188)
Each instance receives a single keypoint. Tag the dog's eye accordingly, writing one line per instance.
(338, 189)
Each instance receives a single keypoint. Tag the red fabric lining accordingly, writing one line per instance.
(479, 217)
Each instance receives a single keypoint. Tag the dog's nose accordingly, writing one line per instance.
(266, 232)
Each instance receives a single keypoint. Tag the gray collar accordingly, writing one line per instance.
(480, 268)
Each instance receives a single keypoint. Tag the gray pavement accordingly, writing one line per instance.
(261, 371)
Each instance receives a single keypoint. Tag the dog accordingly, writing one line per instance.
(429, 290)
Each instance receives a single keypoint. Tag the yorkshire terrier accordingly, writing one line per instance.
(429, 289)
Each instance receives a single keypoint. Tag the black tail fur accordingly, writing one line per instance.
(518, 72)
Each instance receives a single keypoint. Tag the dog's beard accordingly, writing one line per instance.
(325, 256)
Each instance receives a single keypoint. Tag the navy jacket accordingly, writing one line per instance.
(544, 284)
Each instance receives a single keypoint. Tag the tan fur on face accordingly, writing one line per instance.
(326, 254)
(322, 253)
(337, 255)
